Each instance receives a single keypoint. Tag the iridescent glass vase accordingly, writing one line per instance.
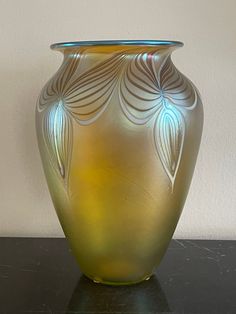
(118, 129)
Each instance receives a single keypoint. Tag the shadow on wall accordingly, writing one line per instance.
(31, 163)
(21, 90)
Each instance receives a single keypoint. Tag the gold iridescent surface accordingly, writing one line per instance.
(119, 129)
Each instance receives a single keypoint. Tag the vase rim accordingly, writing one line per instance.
(117, 43)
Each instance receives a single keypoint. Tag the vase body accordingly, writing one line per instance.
(119, 129)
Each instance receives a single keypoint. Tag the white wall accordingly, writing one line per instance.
(27, 28)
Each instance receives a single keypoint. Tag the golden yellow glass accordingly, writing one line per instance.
(119, 129)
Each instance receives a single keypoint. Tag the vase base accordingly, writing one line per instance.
(118, 283)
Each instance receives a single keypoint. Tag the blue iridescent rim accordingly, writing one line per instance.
(117, 43)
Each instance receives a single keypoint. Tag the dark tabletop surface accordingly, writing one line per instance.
(40, 276)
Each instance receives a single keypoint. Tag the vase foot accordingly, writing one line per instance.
(117, 283)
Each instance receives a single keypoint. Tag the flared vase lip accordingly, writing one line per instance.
(125, 42)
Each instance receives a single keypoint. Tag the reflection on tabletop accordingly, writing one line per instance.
(144, 297)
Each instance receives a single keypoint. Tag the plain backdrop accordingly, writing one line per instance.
(27, 28)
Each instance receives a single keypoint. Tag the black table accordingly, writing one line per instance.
(40, 276)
